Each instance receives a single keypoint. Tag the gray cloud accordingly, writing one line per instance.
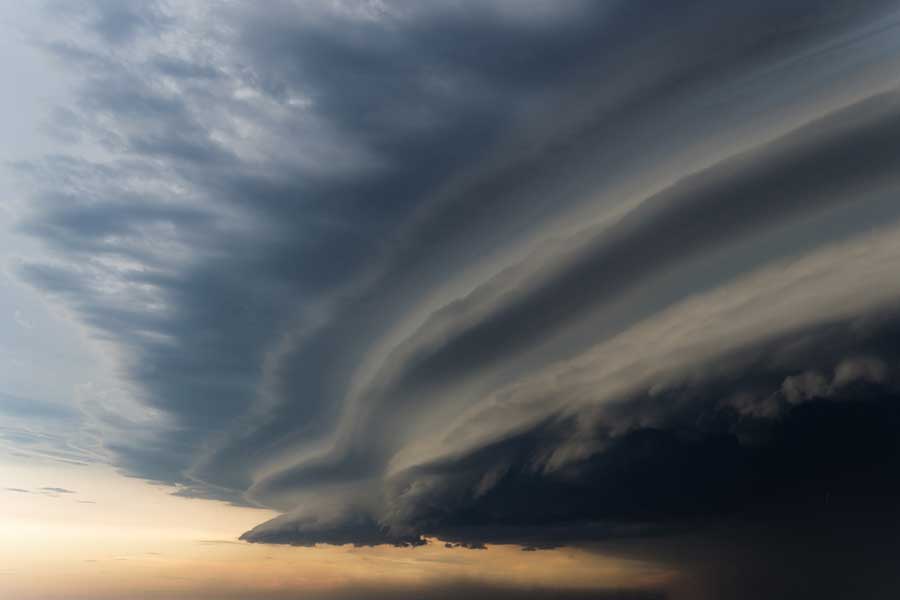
(394, 269)
(47, 491)
(57, 490)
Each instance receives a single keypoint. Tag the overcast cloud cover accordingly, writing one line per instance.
(618, 273)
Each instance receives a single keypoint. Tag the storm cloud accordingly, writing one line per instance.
(537, 273)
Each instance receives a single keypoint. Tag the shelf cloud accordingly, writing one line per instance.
(611, 274)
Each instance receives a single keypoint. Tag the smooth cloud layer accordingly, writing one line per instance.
(489, 272)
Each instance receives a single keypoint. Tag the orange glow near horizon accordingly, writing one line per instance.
(116, 535)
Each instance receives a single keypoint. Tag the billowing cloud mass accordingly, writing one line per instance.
(609, 273)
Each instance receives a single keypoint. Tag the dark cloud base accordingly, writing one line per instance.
(750, 443)
(779, 495)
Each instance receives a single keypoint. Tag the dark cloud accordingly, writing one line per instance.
(546, 274)
(357, 529)
(691, 453)
(740, 500)
(839, 451)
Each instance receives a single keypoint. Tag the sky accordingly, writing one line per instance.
(513, 299)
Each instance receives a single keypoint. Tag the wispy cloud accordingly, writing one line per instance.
(57, 490)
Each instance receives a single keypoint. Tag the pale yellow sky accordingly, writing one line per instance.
(116, 535)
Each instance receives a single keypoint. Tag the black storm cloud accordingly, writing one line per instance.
(620, 274)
